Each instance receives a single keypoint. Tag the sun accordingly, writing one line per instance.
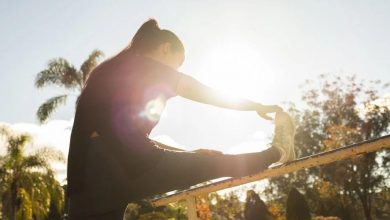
(236, 68)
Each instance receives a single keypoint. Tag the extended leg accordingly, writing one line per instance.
(180, 170)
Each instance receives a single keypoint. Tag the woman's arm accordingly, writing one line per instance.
(192, 89)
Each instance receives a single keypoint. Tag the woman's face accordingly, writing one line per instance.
(171, 57)
(176, 59)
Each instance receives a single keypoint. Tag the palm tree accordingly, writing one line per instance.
(61, 73)
(28, 188)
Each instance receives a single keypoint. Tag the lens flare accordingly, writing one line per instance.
(154, 108)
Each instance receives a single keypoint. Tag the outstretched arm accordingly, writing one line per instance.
(192, 89)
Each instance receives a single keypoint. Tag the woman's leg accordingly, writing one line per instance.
(180, 170)
(116, 214)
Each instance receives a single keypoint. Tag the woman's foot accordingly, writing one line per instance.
(283, 139)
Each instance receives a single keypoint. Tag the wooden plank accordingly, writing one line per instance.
(302, 163)
(191, 208)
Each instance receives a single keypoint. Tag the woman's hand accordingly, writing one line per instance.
(207, 152)
(263, 110)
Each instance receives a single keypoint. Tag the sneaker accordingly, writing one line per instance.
(284, 137)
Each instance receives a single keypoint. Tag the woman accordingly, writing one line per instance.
(112, 162)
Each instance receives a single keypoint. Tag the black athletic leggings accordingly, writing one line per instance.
(180, 170)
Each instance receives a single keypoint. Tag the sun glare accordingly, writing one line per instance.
(236, 68)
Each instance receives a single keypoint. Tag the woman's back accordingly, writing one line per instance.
(114, 103)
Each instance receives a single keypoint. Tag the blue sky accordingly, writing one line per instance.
(262, 50)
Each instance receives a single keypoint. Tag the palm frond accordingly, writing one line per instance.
(56, 192)
(49, 153)
(25, 205)
(90, 63)
(48, 107)
(5, 130)
(3, 176)
(15, 146)
(35, 183)
(59, 72)
(34, 161)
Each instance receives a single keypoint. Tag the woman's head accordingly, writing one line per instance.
(159, 44)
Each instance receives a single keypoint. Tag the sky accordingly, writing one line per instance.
(261, 50)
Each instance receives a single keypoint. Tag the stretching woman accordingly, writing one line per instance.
(112, 161)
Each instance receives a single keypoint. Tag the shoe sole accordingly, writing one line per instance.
(284, 120)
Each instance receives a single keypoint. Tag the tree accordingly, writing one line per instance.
(226, 206)
(28, 189)
(339, 111)
(145, 210)
(61, 73)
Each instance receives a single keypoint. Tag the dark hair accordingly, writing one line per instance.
(149, 36)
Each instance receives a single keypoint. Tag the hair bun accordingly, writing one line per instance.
(149, 26)
(149, 36)
(144, 36)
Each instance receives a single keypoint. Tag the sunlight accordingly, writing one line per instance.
(154, 108)
(236, 68)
